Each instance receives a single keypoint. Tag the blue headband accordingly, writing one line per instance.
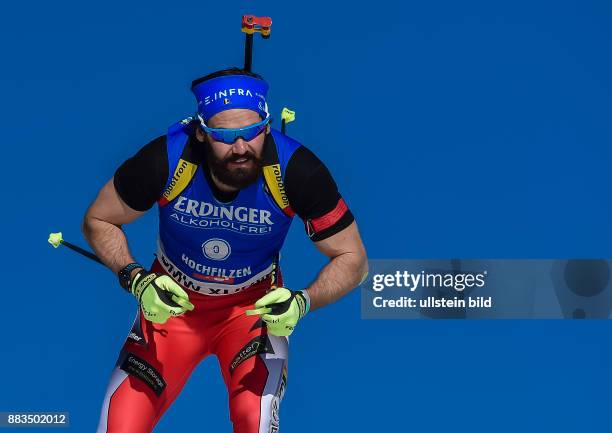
(231, 91)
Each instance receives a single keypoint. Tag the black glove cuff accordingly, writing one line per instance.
(125, 275)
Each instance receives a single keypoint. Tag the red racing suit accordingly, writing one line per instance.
(157, 359)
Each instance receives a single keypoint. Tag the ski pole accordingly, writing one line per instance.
(287, 116)
(56, 240)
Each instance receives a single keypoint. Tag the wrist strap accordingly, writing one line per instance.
(125, 275)
(141, 282)
(306, 307)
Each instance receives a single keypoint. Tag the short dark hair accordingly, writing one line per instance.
(224, 72)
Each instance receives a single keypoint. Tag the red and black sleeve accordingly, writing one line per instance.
(314, 197)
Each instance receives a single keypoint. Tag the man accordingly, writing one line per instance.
(227, 187)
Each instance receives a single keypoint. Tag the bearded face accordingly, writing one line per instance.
(234, 170)
(239, 164)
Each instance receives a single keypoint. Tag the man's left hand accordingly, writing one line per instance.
(281, 309)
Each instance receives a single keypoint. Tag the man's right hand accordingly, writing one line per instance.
(159, 296)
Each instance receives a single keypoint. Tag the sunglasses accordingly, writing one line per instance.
(230, 135)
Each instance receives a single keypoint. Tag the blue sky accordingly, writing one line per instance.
(454, 129)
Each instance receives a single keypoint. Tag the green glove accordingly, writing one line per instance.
(159, 296)
(281, 309)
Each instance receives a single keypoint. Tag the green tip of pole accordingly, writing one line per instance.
(287, 115)
(55, 239)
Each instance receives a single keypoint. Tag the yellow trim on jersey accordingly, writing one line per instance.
(274, 180)
(183, 174)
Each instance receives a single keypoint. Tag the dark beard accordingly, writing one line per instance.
(240, 177)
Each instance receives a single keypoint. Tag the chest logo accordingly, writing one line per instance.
(216, 249)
